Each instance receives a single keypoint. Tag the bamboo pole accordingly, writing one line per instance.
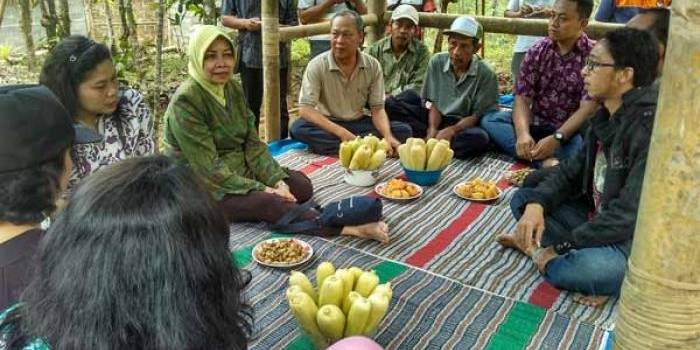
(3, 5)
(306, 30)
(660, 299)
(376, 30)
(271, 68)
(517, 26)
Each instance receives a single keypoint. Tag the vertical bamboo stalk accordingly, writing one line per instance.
(159, 58)
(660, 301)
(3, 5)
(376, 32)
(110, 25)
(271, 68)
(63, 19)
(89, 19)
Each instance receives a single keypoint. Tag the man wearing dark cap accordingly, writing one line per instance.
(36, 134)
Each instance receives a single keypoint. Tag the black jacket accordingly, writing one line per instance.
(625, 138)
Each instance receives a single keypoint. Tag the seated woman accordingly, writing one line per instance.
(209, 127)
(81, 73)
(138, 259)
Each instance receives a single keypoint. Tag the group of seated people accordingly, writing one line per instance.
(136, 255)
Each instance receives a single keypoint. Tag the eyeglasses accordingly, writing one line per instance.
(592, 65)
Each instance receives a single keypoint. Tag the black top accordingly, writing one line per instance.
(16, 265)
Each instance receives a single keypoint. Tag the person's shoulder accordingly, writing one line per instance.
(540, 46)
(370, 61)
(421, 47)
(131, 96)
(586, 44)
(439, 59)
(319, 62)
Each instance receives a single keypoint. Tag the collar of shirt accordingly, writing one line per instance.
(361, 64)
(471, 72)
(582, 45)
(386, 46)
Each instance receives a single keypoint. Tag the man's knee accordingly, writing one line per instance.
(496, 117)
(401, 130)
(588, 272)
(470, 142)
(518, 202)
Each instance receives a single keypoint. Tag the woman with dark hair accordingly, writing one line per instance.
(81, 73)
(209, 127)
(138, 259)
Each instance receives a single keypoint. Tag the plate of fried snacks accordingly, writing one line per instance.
(399, 190)
(477, 190)
(282, 252)
(517, 177)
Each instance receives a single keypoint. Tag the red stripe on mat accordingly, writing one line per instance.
(318, 164)
(544, 295)
(449, 234)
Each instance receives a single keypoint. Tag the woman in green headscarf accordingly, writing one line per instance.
(209, 127)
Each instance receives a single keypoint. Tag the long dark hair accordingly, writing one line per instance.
(137, 260)
(68, 64)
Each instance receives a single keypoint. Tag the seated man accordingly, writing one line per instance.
(404, 59)
(550, 103)
(338, 85)
(577, 225)
(656, 21)
(459, 89)
(36, 134)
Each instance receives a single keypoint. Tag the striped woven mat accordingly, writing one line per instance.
(427, 311)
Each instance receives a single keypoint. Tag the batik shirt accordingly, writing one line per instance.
(552, 81)
(220, 144)
(403, 73)
(127, 133)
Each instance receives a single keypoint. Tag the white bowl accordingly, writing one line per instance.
(361, 178)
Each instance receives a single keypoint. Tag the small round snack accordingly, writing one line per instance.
(282, 252)
(478, 190)
(398, 189)
(517, 177)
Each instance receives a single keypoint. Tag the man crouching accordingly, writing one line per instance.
(577, 225)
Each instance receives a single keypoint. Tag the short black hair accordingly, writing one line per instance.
(29, 195)
(662, 17)
(359, 23)
(138, 259)
(584, 8)
(68, 64)
(634, 48)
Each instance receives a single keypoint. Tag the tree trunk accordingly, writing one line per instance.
(159, 57)
(110, 26)
(3, 4)
(26, 25)
(133, 30)
(89, 19)
(63, 19)
(438, 37)
(124, 37)
(49, 20)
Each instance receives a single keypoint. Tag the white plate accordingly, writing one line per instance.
(454, 189)
(379, 189)
(306, 246)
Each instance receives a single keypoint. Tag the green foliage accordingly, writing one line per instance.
(5, 52)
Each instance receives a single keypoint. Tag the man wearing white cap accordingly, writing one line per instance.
(403, 59)
(459, 89)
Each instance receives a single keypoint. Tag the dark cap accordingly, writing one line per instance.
(35, 127)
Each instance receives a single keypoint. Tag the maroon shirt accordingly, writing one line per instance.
(553, 81)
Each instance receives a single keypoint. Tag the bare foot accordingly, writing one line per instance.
(508, 240)
(590, 300)
(550, 162)
(378, 231)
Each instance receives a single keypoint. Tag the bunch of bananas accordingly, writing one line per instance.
(349, 302)
(420, 155)
(367, 153)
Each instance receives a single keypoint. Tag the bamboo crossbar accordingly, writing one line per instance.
(502, 25)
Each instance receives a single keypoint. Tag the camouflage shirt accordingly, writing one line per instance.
(221, 144)
(405, 72)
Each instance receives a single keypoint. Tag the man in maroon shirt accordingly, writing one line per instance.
(36, 134)
(551, 104)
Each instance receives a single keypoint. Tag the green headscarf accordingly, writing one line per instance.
(200, 40)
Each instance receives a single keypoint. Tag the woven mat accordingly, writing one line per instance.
(427, 311)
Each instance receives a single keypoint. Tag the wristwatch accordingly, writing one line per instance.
(559, 136)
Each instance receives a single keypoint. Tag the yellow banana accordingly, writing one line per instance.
(324, 270)
(348, 280)
(366, 283)
(357, 317)
(305, 312)
(384, 289)
(448, 158)
(356, 272)
(418, 157)
(383, 145)
(293, 289)
(360, 160)
(404, 155)
(429, 146)
(345, 153)
(446, 142)
(297, 278)
(377, 159)
(371, 141)
(380, 304)
(331, 321)
(331, 291)
(349, 299)
(437, 158)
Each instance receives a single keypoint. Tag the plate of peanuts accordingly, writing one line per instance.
(398, 190)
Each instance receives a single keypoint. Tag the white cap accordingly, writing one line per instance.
(465, 25)
(405, 11)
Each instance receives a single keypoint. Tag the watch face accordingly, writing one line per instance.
(558, 135)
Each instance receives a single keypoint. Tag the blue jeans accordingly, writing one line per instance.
(592, 271)
(322, 142)
(499, 126)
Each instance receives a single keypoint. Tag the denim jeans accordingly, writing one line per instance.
(594, 271)
(321, 141)
(499, 126)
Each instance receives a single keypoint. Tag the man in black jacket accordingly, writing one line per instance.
(577, 225)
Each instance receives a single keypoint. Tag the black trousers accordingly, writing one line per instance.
(252, 81)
